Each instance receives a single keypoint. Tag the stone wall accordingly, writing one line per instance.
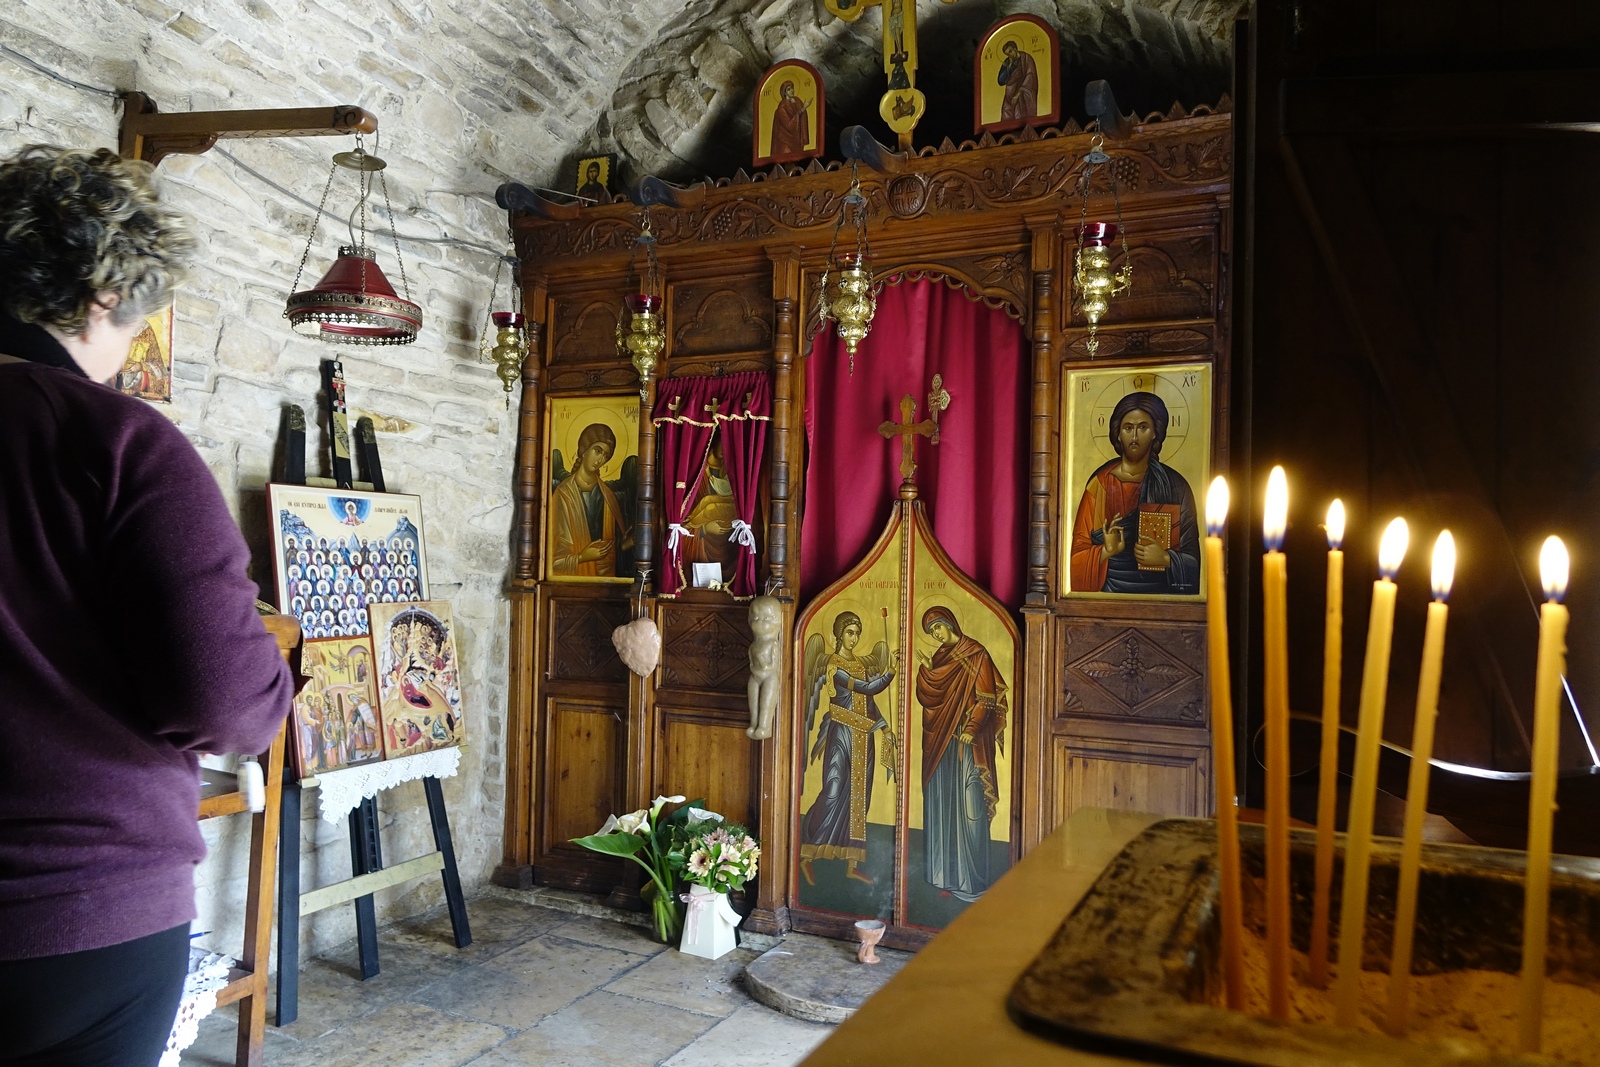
(467, 95)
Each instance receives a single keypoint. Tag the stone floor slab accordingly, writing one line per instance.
(408, 1034)
(602, 1030)
(679, 980)
(753, 1036)
(497, 925)
(523, 985)
(332, 993)
(817, 979)
(604, 932)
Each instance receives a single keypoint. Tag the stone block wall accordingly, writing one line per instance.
(468, 94)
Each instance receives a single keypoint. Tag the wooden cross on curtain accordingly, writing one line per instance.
(903, 105)
(908, 432)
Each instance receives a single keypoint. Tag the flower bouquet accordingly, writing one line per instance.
(713, 861)
(654, 843)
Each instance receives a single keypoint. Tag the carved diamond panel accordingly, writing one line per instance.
(580, 640)
(1151, 672)
(705, 647)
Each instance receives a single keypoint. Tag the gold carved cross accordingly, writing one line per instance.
(908, 432)
(903, 104)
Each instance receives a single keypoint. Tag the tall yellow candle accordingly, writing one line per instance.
(1542, 800)
(1274, 579)
(1405, 914)
(1222, 767)
(1364, 787)
(1328, 775)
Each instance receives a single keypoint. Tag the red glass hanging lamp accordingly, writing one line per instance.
(354, 303)
(1093, 281)
(641, 331)
(511, 340)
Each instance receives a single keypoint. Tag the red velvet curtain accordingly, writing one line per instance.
(973, 482)
(688, 411)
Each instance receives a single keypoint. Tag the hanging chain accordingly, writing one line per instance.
(394, 232)
(333, 169)
(494, 287)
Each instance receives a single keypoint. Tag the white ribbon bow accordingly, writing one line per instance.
(742, 533)
(699, 903)
(674, 531)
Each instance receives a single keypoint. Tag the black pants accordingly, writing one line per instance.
(108, 1007)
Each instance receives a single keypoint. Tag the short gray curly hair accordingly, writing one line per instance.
(75, 224)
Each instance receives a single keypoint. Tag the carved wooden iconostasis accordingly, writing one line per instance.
(1108, 703)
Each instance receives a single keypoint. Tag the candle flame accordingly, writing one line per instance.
(1335, 526)
(1444, 565)
(1553, 565)
(1276, 514)
(1217, 506)
(1392, 549)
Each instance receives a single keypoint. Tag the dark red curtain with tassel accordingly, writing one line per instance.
(973, 483)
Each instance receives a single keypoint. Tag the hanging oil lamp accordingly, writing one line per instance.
(1093, 281)
(854, 299)
(354, 303)
(641, 331)
(511, 341)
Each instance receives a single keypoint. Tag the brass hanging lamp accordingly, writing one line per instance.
(510, 346)
(641, 330)
(1093, 281)
(854, 299)
(354, 302)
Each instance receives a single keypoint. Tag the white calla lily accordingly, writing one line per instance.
(637, 822)
(611, 824)
(700, 815)
(656, 805)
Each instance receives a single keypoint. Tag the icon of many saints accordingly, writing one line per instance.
(332, 580)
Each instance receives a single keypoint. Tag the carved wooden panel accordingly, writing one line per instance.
(585, 328)
(1173, 278)
(705, 646)
(584, 743)
(730, 314)
(580, 640)
(1144, 342)
(1145, 671)
(704, 756)
(1128, 776)
(591, 379)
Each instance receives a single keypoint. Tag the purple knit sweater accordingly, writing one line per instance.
(128, 644)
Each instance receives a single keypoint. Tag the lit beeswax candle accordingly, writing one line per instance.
(1328, 775)
(1542, 799)
(1222, 746)
(1405, 913)
(1274, 577)
(1364, 787)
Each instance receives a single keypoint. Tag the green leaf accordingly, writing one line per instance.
(611, 844)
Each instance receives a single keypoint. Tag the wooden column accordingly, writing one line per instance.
(515, 869)
(1035, 804)
(771, 914)
(644, 525)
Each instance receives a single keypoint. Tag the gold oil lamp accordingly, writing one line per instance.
(643, 336)
(510, 346)
(1094, 283)
(854, 299)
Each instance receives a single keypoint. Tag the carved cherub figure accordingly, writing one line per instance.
(766, 660)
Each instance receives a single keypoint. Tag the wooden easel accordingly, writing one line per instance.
(366, 851)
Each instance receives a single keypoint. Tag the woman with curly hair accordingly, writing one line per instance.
(121, 658)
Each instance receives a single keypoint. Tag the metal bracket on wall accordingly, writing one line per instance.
(147, 134)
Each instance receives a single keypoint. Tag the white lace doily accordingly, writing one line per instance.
(342, 790)
(208, 972)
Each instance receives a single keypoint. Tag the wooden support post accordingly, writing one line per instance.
(287, 999)
(148, 135)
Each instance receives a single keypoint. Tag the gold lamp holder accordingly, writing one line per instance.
(854, 299)
(641, 330)
(1093, 281)
(510, 346)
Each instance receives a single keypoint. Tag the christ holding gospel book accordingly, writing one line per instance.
(1136, 530)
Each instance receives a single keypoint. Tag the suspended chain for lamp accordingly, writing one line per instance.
(853, 199)
(333, 168)
(394, 231)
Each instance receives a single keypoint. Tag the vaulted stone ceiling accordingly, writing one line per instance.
(681, 108)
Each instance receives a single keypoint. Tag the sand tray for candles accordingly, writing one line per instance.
(1136, 970)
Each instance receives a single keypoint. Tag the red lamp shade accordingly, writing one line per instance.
(354, 304)
(1097, 234)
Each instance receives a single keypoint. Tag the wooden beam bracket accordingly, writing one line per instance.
(151, 136)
